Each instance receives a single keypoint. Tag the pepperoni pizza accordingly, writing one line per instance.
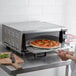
(44, 43)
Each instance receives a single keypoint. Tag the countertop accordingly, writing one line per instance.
(30, 65)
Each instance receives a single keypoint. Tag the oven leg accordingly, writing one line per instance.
(67, 70)
(7, 47)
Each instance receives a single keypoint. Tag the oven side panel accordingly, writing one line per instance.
(11, 38)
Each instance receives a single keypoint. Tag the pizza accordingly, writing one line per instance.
(44, 43)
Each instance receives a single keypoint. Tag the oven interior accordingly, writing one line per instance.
(44, 35)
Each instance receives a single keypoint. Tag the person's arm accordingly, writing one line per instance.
(70, 57)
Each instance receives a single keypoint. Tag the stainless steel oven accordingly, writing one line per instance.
(17, 36)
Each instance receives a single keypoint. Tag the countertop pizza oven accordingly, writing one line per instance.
(18, 36)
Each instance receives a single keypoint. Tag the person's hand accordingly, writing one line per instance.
(62, 54)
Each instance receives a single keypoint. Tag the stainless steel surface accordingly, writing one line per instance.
(15, 35)
(34, 26)
(30, 65)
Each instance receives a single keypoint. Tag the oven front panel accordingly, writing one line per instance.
(46, 35)
(31, 36)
